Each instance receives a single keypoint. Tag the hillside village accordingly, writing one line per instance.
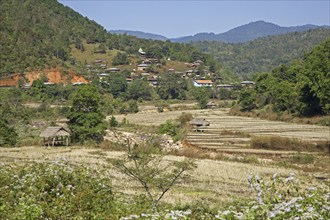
(144, 67)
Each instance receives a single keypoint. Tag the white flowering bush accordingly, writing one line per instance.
(53, 191)
(282, 198)
(167, 214)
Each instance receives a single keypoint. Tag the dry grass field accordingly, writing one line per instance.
(213, 181)
(218, 179)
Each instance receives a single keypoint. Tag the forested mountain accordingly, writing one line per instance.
(264, 53)
(38, 34)
(140, 34)
(246, 33)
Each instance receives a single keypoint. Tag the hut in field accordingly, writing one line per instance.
(199, 123)
(55, 136)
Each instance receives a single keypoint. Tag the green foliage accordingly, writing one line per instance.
(177, 129)
(116, 84)
(202, 95)
(170, 127)
(140, 88)
(113, 122)
(247, 100)
(301, 89)
(120, 59)
(316, 74)
(54, 191)
(86, 121)
(172, 86)
(133, 106)
(8, 135)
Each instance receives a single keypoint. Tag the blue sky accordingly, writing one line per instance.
(181, 18)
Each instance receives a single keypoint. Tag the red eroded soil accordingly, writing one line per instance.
(53, 76)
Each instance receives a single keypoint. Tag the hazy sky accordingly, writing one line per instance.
(184, 17)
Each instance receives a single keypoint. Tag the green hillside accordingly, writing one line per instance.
(38, 34)
(265, 53)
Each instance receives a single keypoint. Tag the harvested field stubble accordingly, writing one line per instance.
(213, 181)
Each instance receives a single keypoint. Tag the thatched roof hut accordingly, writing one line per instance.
(199, 122)
(55, 136)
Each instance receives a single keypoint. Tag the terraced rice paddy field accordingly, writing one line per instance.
(233, 133)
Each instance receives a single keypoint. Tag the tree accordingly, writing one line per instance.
(86, 121)
(120, 59)
(172, 87)
(140, 88)
(116, 85)
(316, 74)
(8, 135)
(202, 95)
(147, 166)
(247, 100)
(113, 122)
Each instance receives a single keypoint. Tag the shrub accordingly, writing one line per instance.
(113, 122)
(281, 198)
(8, 135)
(54, 191)
(170, 127)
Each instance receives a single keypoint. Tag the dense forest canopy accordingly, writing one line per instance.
(302, 88)
(264, 53)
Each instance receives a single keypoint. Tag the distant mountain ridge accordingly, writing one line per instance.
(241, 34)
(140, 34)
(247, 32)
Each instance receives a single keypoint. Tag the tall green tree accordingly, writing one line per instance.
(120, 59)
(202, 95)
(172, 86)
(140, 88)
(8, 135)
(86, 120)
(316, 74)
(116, 85)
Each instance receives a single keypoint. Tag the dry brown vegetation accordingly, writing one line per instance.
(213, 181)
(222, 152)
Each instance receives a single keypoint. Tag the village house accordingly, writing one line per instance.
(203, 83)
(103, 75)
(129, 80)
(142, 67)
(248, 84)
(153, 81)
(226, 86)
(113, 70)
(103, 66)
